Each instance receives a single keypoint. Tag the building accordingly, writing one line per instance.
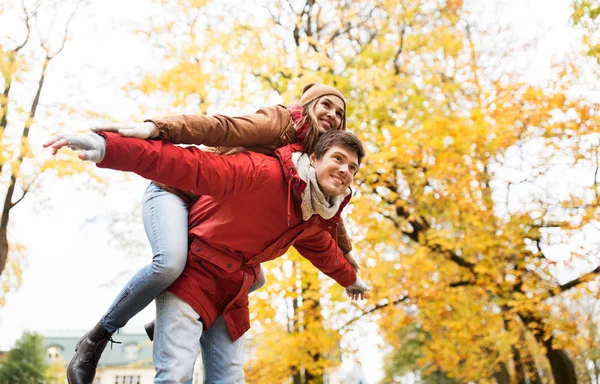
(127, 362)
(130, 361)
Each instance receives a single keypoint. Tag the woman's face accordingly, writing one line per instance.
(329, 111)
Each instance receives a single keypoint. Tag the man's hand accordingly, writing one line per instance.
(147, 130)
(88, 146)
(352, 261)
(357, 290)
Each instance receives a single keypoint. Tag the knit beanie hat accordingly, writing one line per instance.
(313, 91)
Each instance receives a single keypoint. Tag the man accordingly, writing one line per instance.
(252, 208)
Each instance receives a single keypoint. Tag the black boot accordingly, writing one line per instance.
(82, 368)
(150, 329)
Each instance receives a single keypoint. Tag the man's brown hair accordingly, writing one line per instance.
(338, 138)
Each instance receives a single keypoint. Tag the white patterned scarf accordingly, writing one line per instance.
(313, 200)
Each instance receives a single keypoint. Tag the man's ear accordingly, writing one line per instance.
(313, 159)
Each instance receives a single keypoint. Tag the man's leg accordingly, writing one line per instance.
(223, 359)
(177, 340)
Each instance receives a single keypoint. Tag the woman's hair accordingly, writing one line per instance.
(309, 119)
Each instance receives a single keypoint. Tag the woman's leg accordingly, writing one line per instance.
(259, 282)
(166, 223)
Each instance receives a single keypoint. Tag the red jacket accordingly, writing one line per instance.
(248, 213)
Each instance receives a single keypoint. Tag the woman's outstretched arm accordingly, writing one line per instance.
(269, 126)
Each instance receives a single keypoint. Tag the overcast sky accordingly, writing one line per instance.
(71, 262)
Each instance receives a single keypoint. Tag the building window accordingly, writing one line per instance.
(54, 353)
(248, 350)
(128, 379)
(131, 352)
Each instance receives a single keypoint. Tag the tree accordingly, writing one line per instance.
(585, 15)
(303, 345)
(408, 350)
(24, 62)
(587, 339)
(476, 264)
(25, 363)
(464, 191)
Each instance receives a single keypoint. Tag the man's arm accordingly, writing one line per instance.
(186, 168)
(322, 251)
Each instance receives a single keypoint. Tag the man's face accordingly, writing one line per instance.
(329, 111)
(335, 170)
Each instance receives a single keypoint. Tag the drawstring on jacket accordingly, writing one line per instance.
(336, 234)
(289, 203)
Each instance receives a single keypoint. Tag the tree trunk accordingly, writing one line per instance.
(312, 309)
(532, 371)
(297, 378)
(3, 248)
(563, 369)
(502, 376)
(520, 375)
(8, 203)
(509, 325)
(312, 379)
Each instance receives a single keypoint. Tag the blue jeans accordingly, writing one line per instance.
(180, 333)
(166, 224)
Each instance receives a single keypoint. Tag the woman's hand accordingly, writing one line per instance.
(88, 146)
(147, 130)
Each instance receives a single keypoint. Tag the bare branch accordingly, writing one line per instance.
(420, 225)
(275, 17)
(574, 283)
(363, 21)
(270, 81)
(8, 204)
(454, 257)
(8, 78)
(462, 283)
(399, 51)
(28, 27)
(371, 310)
(20, 198)
(359, 50)
(66, 32)
(596, 181)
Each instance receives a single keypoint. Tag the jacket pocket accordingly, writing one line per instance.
(224, 261)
